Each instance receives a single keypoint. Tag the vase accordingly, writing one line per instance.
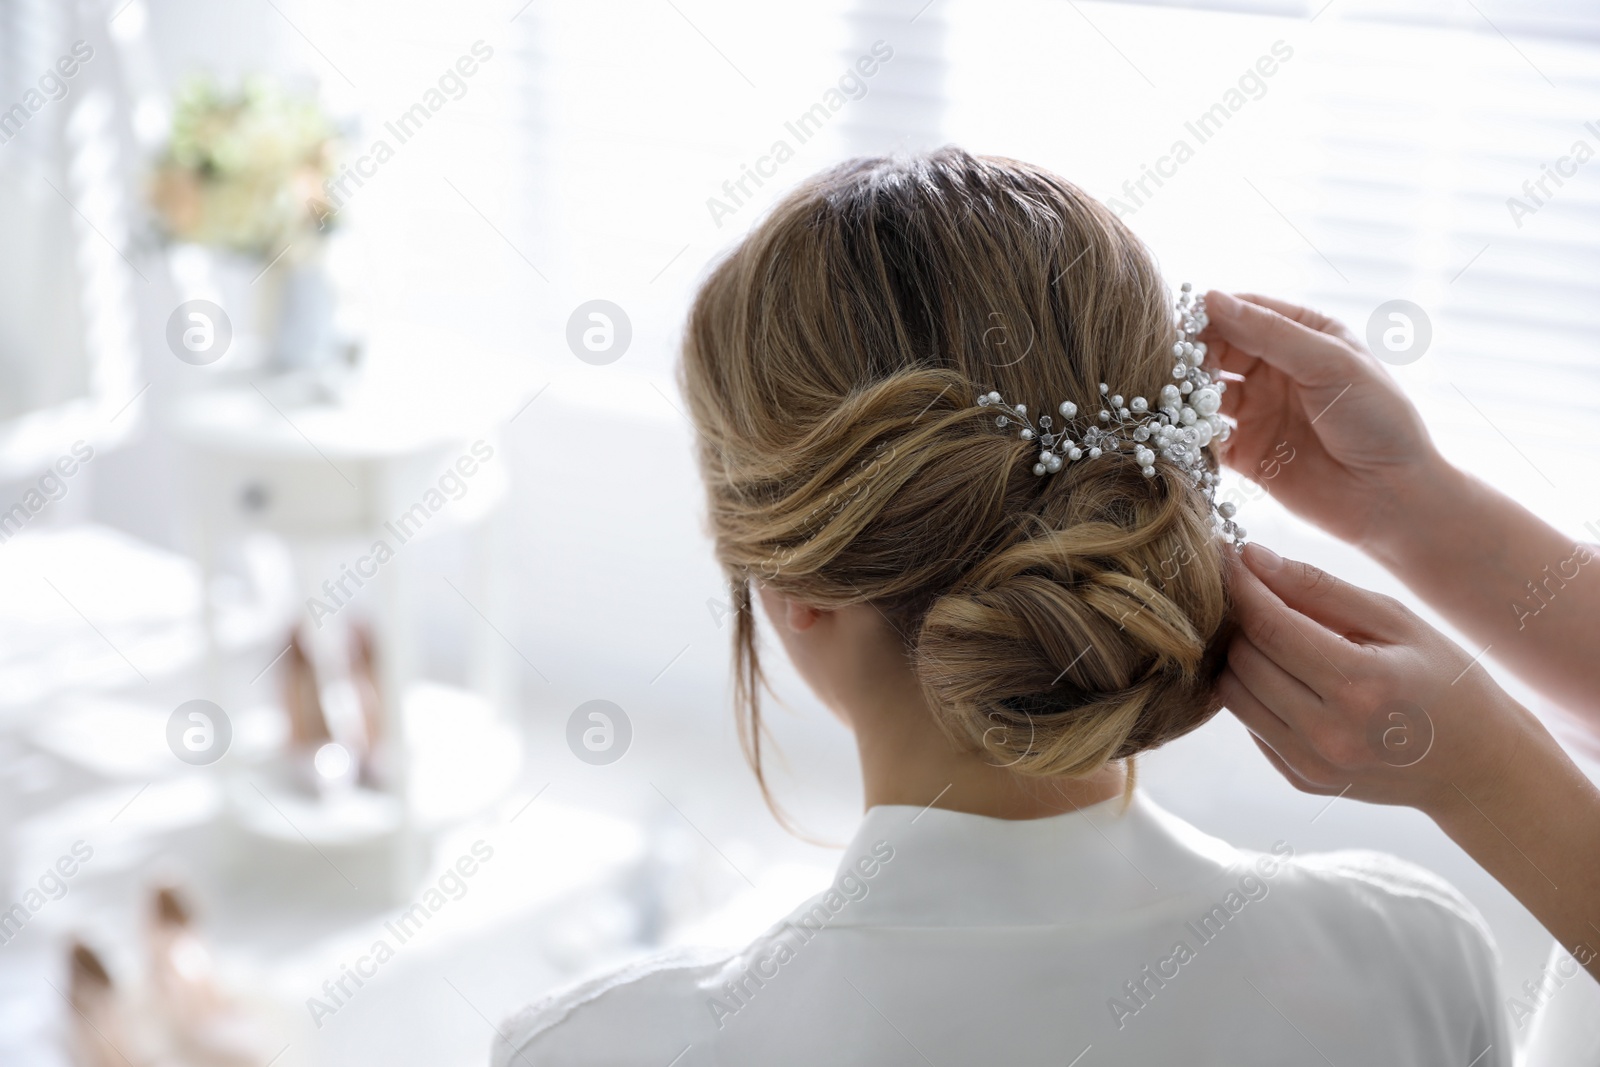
(281, 312)
(297, 307)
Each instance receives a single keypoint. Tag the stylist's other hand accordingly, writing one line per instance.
(1348, 693)
(1321, 424)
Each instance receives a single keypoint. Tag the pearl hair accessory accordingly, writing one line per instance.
(1177, 428)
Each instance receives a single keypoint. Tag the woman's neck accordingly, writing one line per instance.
(857, 663)
(906, 759)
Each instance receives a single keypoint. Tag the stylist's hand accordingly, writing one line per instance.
(1320, 423)
(1347, 692)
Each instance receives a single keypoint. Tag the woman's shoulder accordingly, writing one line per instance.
(636, 1010)
(1392, 900)
(1343, 885)
(651, 1010)
(1379, 879)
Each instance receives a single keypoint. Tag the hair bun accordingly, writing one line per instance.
(1087, 636)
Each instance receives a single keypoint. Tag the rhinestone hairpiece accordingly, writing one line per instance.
(1184, 420)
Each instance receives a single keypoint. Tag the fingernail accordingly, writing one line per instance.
(1262, 557)
(1227, 303)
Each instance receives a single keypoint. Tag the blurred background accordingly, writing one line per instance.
(353, 585)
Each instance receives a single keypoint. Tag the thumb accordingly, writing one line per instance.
(1335, 603)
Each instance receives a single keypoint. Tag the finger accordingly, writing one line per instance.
(1248, 708)
(1294, 777)
(1289, 698)
(1219, 353)
(1302, 647)
(1344, 608)
(1260, 720)
(1284, 749)
(1305, 316)
(1312, 358)
(1233, 397)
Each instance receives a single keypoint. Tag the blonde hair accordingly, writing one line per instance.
(831, 365)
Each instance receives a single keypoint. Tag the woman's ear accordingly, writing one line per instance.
(792, 615)
(802, 616)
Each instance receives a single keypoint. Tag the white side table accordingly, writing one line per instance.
(325, 474)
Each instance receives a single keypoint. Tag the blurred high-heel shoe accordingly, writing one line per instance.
(98, 1033)
(364, 677)
(308, 727)
(203, 1024)
(319, 761)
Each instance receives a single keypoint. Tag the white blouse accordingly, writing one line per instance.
(1560, 1011)
(1112, 935)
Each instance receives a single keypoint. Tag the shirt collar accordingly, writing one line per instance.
(910, 866)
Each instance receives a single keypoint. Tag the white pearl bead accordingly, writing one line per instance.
(994, 398)
(1022, 409)
(1038, 468)
(1206, 401)
(1186, 388)
(1170, 396)
(1140, 404)
(1076, 453)
(1094, 453)
(1148, 471)
(1179, 370)
(1068, 409)
(1027, 435)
